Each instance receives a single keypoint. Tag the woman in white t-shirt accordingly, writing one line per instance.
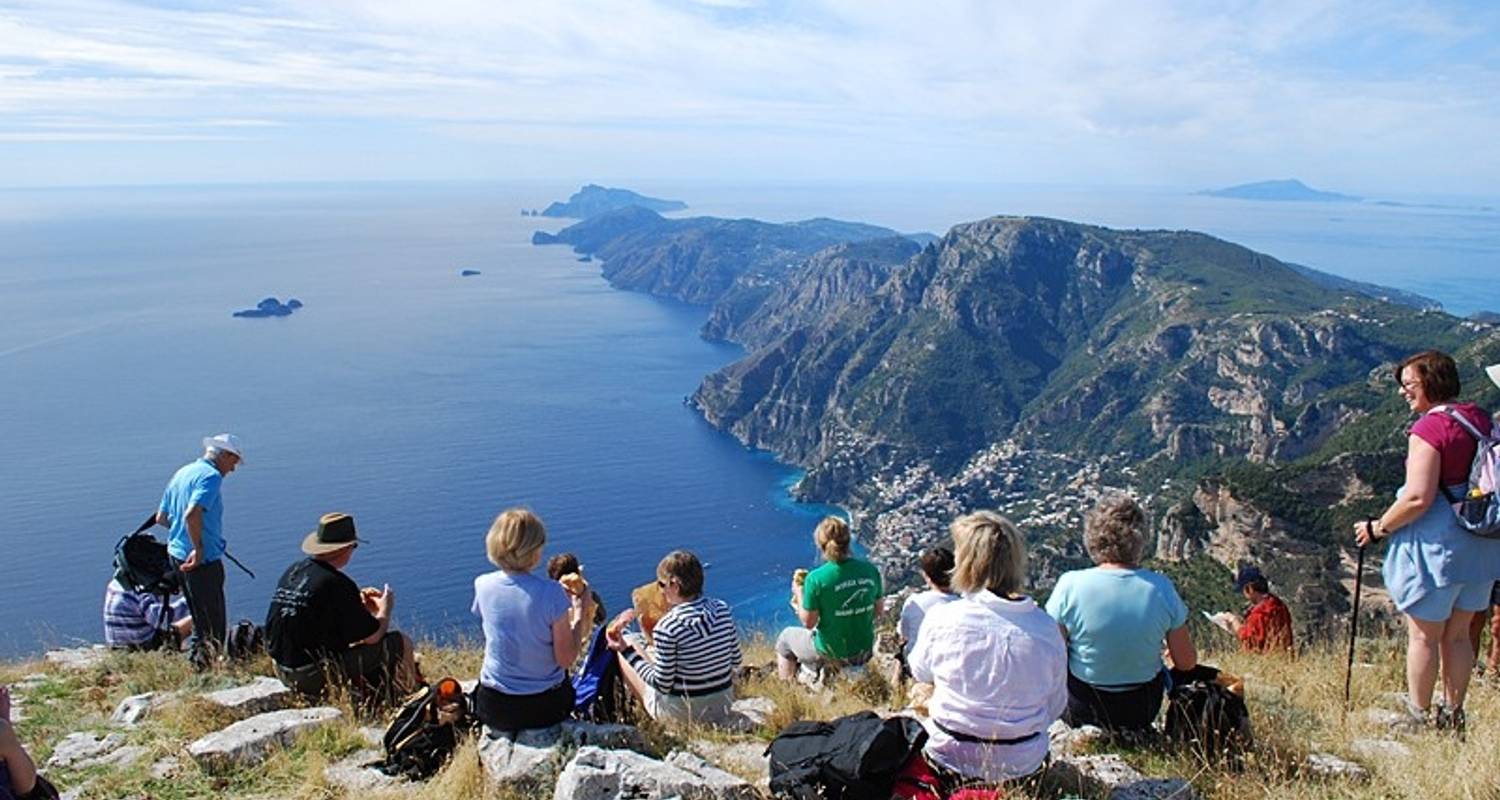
(996, 661)
(937, 572)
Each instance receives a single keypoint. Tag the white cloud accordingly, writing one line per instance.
(1148, 90)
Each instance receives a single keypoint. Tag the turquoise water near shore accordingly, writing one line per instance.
(423, 402)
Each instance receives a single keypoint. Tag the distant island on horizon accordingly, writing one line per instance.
(593, 199)
(1289, 190)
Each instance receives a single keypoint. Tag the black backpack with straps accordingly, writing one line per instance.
(851, 758)
(142, 563)
(426, 730)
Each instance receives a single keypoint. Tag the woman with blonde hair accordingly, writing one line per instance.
(836, 605)
(996, 661)
(533, 630)
(1115, 617)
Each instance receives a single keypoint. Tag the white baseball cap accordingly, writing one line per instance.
(225, 442)
(1493, 371)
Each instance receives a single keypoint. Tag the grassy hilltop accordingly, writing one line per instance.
(1295, 704)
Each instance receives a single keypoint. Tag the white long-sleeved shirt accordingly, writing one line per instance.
(999, 669)
(914, 609)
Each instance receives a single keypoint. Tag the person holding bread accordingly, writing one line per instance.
(323, 628)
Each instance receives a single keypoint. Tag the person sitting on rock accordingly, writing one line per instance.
(689, 674)
(836, 605)
(937, 567)
(134, 620)
(1267, 627)
(533, 630)
(321, 627)
(564, 564)
(18, 776)
(1115, 617)
(995, 660)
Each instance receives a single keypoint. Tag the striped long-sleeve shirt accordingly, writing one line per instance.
(131, 619)
(697, 650)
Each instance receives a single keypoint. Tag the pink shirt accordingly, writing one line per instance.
(1454, 444)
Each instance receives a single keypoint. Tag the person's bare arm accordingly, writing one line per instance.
(1180, 647)
(17, 760)
(163, 520)
(193, 520)
(569, 633)
(809, 619)
(1423, 469)
(385, 603)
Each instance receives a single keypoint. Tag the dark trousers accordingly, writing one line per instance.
(204, 590)
(1133, 709)
(518, 712)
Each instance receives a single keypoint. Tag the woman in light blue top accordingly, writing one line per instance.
(1115, 617)
(533, 630)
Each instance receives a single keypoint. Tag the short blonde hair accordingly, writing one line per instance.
(1114, 531)
(988, 553)
(832, 538)
(515, 540)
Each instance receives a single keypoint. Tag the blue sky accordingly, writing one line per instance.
(1372, 97)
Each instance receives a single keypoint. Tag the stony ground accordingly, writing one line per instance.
(112, 725)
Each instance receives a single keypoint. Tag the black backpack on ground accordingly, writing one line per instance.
(142, 563)
(245, 640)
(1206, 716)
(851, 758)
(426, 730)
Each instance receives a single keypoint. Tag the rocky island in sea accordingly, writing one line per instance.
(1288, 190)
(1030, 364)
(593, 200)
(271, 307)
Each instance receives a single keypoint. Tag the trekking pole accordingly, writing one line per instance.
(1359, 579)
(252, 575)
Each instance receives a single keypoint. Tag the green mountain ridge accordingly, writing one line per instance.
(1030, 364)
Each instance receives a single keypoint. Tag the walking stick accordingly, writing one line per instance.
(1359, 579)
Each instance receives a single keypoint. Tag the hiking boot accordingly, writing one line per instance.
(1450, 719)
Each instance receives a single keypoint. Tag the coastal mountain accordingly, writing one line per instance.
(1031, 364)
(699, 259)
(1289, 190)
(593, 200)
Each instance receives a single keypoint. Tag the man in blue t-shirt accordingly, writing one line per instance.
(193, 512)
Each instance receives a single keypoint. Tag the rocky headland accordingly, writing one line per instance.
(1031, 364)
(593, 200)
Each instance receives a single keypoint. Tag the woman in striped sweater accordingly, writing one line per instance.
(689, 674)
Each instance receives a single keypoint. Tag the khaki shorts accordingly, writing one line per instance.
(708, 709)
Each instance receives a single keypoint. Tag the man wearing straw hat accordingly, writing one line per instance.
(193, 512)
(321, 627)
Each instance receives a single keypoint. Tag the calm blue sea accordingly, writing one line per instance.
(424, 403)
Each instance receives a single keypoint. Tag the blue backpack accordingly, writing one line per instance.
(597, 685)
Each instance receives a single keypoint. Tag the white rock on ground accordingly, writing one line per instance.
(77, 657)
(79, 747)
(257, 697)
(249, 741)
(596, 774)
(755, 709)
(137, 707)
(747, 759)
(506, 760)
(120, 759)
(1331, 766)
(1108, 775)
(354, 776)
(1379, 748)
(722, 784)
(166, 767)
(1065, 740)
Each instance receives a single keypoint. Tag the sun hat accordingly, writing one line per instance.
(335, 532)
(1493, 371)
(225, 442)
(1247, 575)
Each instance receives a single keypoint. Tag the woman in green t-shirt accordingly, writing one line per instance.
(836, 605)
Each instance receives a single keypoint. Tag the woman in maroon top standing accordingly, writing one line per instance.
(1438, 574)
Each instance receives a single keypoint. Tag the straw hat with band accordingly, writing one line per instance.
(335, 532)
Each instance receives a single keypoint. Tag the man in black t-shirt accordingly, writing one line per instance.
(321, 627)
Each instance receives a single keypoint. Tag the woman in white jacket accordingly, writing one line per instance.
(997, 662)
